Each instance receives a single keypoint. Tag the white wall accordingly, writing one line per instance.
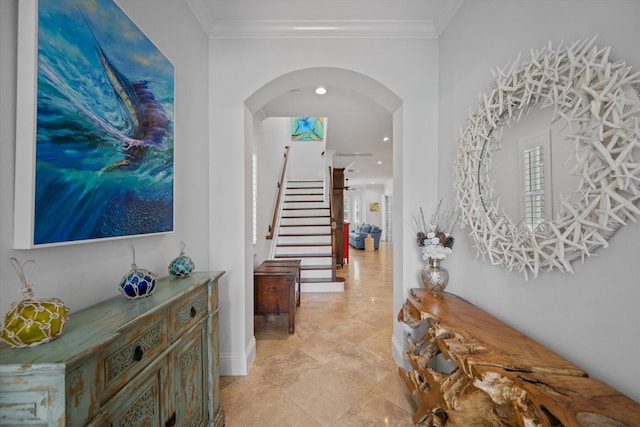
(393, 63)
(84, 274)
(590, 317)
(272, 136)
(307, 161)
(373, 194)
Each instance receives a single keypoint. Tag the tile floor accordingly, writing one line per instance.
(337, 369)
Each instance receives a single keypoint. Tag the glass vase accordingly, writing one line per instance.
(434, 277)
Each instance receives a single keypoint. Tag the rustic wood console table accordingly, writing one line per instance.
(501, 377)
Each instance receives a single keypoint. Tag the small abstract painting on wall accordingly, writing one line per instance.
(95, 149)
(307, 128)
(374, 207)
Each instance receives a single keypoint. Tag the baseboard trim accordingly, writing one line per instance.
(238, 365)
(397, 352)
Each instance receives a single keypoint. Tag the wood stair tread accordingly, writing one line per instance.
(303, 244)
(305, 216)
(303, 255)
(303, 209)
(305, 225)
(316, 267)
(317, 280)
(303, 234)
(304, 194)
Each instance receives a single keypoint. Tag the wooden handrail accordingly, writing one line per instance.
(280, 185)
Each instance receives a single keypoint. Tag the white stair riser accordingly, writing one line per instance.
(303, 250)
(325, 260)
(315, 274)
(306, 212)
(315, 191)
(320, 229)
(304, 239)
(304, 198)
(306, 220)
(322, 287)
(306, 205)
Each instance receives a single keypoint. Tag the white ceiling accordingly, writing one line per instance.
(355, 123)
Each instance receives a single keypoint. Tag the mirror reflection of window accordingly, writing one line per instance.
(533, 189)
(556, 178)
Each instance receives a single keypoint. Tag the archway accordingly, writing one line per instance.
(378, 93)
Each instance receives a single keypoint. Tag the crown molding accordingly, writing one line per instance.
(248, 29)
(268, 28)
(445, 14)
(366, 28)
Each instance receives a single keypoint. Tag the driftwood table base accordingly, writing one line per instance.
(501, 377)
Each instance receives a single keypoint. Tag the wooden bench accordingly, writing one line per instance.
(276, 290)
(501, 377)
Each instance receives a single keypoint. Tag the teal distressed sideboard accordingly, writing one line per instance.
(147, 362)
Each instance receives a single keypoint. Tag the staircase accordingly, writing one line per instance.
(304, 233)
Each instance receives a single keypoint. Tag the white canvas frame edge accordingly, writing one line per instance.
(26, 95)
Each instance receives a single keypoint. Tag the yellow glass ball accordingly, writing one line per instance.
(34, 321)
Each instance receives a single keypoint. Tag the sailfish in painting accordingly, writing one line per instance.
(148, 122)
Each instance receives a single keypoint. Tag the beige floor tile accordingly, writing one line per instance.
(325, 394)
(239, 392)
(372, 411)
(363, 367)
(355, 331)
(324, 345)
(272, 410)
(393, 389)
(336, 370)
(286, 368)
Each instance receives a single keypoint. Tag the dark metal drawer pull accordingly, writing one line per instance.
(171, 421)
(193, 311)
(138, 353)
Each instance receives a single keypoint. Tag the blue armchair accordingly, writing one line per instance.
(358, 234)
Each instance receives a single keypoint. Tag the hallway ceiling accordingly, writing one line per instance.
(355, 124)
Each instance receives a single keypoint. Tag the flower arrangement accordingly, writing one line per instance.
(435, 239)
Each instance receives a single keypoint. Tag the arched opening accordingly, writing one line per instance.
(256, 109)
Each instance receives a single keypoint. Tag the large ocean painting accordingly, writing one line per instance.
(104, 126)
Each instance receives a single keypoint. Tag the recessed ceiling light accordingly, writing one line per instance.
(379, 162)
(386, 139)
(320, 90)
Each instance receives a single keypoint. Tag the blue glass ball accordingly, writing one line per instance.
(138, 283)
(181, 267)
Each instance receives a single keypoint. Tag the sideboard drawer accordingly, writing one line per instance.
(137, 404)
(128, 355)
(188, 313)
